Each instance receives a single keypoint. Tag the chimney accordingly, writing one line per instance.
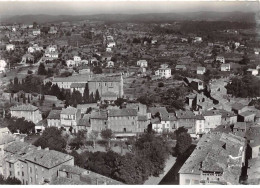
(46, 149)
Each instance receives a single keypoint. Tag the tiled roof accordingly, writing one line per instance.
(172, 117)
(122, 112)
(66, 181)
(155, 120)
(84, 122)
(18, 147)
(225, 113)
(54, 114)
(213, 153)
(72, 169)
(48, 159)
(154, 110)
(106, 79)
(240, 125)
(247, 113)
(6, 138)
(24, 107)
(69, 110)
(77, 85)
(4, 130)
(79, 78)
(237, 106)
(101, 114)
(180, 114)
(211, 113)
(142, 118)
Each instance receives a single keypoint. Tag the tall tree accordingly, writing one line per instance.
(28, 99)
(97, 96)
(93, 136)
(107, 135)
(16, 82)
(183, 142)
(51, 138)
(41, 69)
(86, 94)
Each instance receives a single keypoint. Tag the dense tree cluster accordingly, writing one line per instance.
(51, 138)
(21, 125)
(183, 140)
(154, 150)
(30, 84)
(148, 159)
(9, 181)
(207, 27)
(247, 86)
(72, 99)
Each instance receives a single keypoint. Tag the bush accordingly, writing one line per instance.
(89, 143)
(102, 142)
(29, 72)
(160, 84)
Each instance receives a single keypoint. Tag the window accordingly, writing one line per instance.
(10, 165)
(31, 179)
(196, 182)
(30, 169)
(187, 181)
(0, 149)
(10, 173)
(22, 173)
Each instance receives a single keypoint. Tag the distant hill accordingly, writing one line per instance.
(149, 17)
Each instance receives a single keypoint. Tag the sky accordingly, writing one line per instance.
(11, 8)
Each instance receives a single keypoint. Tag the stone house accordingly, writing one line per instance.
(32, 165)
(26, 111)
(53, 119)
(69, 117)
(98, 120)
(106, 84)
(218, 159)
(123, 120)
(212, 119)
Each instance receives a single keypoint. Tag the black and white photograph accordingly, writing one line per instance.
(129, 92)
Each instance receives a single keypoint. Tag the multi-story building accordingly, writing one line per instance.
(221, 59)
(2, 66)
(65, 82)
(36, 32)
(26, 111)
(199, 125)
(106, 84)
(212, 119)
(34, 48)
(10, 47)
(73, 175)
(186, 119)
(123, 120)
(217, 159)
(98, 120)
(225, 67)
(53, 119)
(164, 71)
(32, 165)
(69, 118)
(227, 118)
(78, 87)
(142, 63)
(160, 120)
